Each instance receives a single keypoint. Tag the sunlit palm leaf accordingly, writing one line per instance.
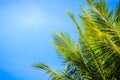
(96, 55)
(53, 74)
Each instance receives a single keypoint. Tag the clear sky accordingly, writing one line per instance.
(25, 33)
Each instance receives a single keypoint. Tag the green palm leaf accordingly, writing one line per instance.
(96, 55)
(53, 74)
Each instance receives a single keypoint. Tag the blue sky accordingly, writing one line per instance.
(26, 31)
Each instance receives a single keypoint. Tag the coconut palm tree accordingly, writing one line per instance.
(96, 55)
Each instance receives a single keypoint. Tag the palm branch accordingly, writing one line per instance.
(96, 55)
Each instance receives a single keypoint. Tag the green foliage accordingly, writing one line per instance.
(96, 55)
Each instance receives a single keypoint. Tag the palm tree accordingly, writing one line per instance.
(96, 55)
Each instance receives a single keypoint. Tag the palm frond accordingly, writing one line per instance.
(96, 55)
(70, 52)
(53, 74)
